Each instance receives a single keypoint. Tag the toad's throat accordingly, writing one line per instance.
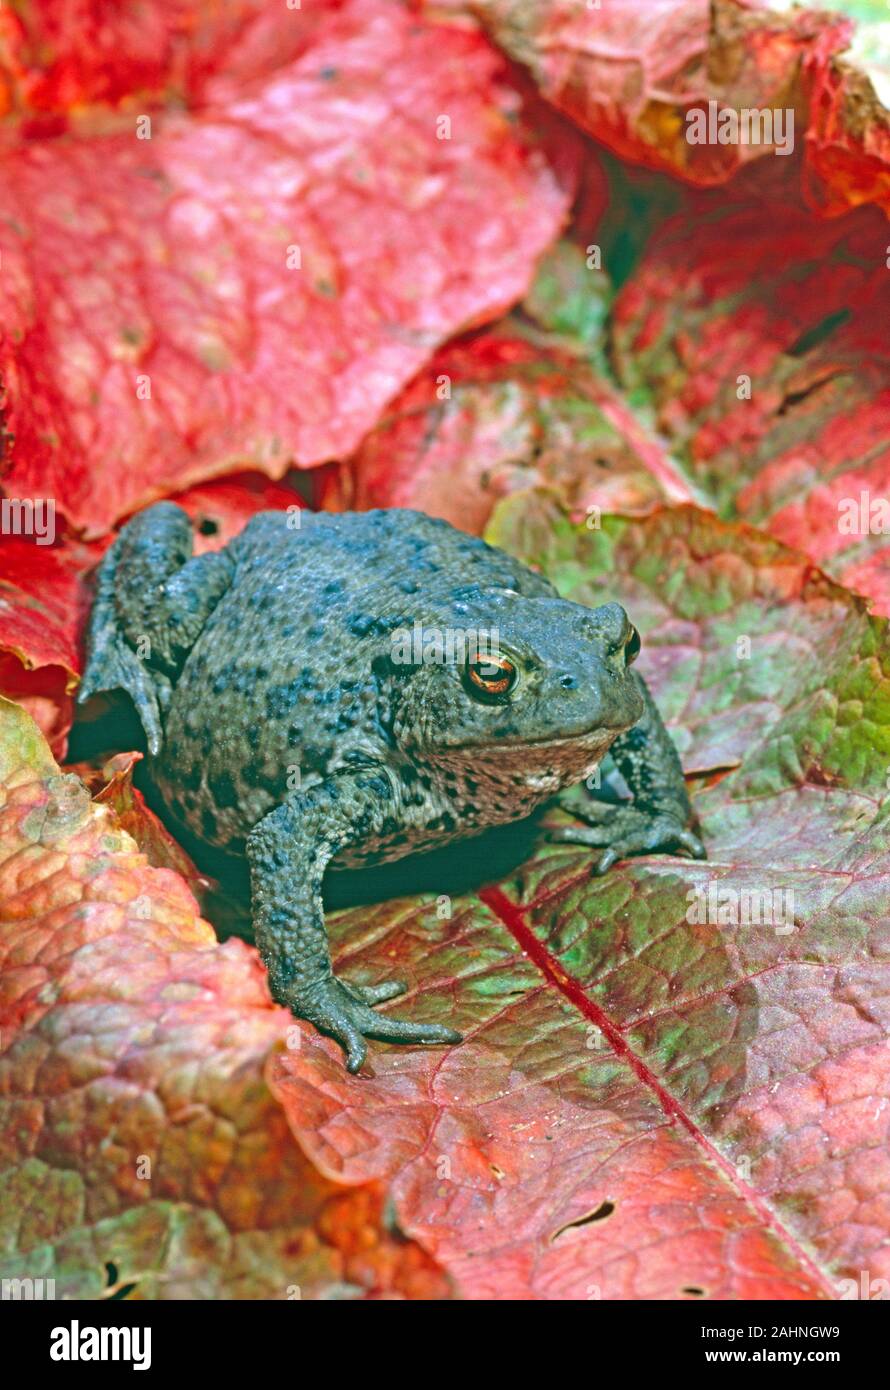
(542, 766)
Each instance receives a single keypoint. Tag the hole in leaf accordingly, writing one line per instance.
(811, 337)
(602, 1211)
(114, 1293)
(693, 1291)
(795, 397)
(207, 526)
(123, 1292)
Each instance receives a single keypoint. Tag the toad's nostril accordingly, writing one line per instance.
(568, 682)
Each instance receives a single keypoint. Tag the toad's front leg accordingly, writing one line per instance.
(659, 819)
(288, 852)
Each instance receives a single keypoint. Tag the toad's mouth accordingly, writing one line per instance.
(600, 737)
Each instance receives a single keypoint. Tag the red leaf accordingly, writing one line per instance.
(170, 339)
(512, 414)
(770, 372)
(112, 785)
(141, 1146)
(42, 604)
(848, 142)
(629, 73)
(219, 510)
(60, 57)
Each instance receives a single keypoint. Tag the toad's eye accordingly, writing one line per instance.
(632, 647)
(490, 678)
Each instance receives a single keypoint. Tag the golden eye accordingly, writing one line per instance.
(632, 647)
(492, 676)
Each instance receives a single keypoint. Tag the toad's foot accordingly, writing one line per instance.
(624, 831)
(344, 1012)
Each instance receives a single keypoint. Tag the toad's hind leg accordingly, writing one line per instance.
(152, 600)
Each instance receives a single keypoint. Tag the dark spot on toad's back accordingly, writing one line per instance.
(222, 789)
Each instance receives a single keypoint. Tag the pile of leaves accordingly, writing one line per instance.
(460, 256)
